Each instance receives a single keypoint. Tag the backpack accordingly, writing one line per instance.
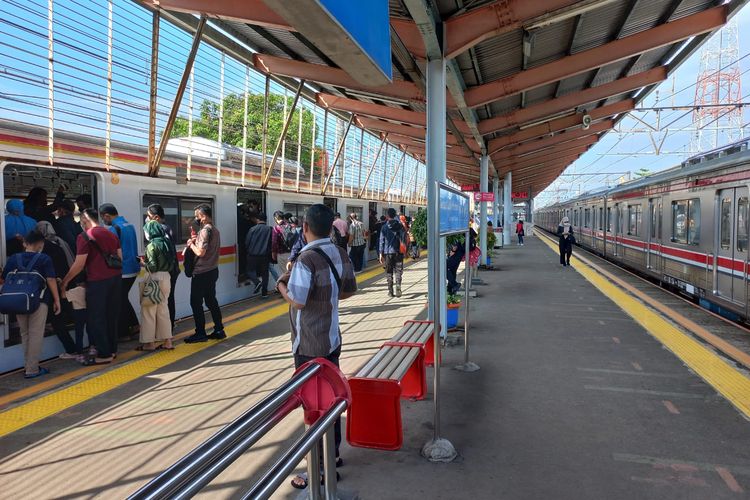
(290, 236)
(188, 262)
(23, 289)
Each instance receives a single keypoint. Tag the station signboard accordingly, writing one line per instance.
(454, 210)
(469, 187)
(484, 196)
(520, 195)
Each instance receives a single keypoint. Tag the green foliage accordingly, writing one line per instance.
(491, 240)
(643, 172)
(453, 299)
(419, 227)
(207, 124)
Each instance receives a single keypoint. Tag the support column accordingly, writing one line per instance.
(531, 208)
(496, 203)
(507, 207)
(483, 182)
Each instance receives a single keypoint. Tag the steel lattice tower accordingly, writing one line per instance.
(717, 87)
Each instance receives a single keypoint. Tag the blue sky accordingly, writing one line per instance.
(615, 152)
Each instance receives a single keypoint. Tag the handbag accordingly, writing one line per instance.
(112, 260)
(151, 294)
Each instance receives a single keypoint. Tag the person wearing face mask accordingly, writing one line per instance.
(205, 245)
(156, 328)
(156, 212)
(98, 253)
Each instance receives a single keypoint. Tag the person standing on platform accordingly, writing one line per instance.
(374, 230)
(566, 241)
(322, 276)
(131, 266)
(297, 248)
(279, 249)
(455, 256)
(340, 231)
(258, 244)
(156, 212)
(520, 232)
(158, 262)
(357, 243)
(392, 242)
(205, 245)
(98, 252)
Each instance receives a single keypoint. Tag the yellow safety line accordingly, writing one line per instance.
(727, 381)
(28, 413)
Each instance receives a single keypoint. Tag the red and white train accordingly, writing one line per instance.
(79, 167)
(686, 226)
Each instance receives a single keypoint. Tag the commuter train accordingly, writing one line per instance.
(686, 227)
(210, 175)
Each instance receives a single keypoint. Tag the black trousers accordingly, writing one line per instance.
(103, 300)
(128, 317)
(203, 289)
(357, 256)
(60, 326)
(257, 271)
(170, 302)
(300, 360)
(566, 250)
(451, 272)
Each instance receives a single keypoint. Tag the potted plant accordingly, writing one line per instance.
(491, 240)
(453, 304)
(418, 228)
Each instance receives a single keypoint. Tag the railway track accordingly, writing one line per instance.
(726, 338)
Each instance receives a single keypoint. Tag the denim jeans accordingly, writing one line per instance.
(357, 255)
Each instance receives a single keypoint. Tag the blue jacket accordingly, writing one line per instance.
(129, 244)
(392, 234)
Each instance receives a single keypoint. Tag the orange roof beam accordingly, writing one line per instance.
(588, 60)
(571, 101)
(557, 149)
(466, 30)
(396, 128)
(254, 12)
(369, 109)
(540, 145)
(558, 125)
(532, 162)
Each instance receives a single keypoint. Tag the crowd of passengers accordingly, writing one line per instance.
(89, 260)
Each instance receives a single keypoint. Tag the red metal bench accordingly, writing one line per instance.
(396, 371)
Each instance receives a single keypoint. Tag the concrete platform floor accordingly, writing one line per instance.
(573, 401)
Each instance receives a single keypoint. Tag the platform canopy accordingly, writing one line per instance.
(523, 76)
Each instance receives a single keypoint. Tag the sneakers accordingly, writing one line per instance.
(220, 335)
(258, 287)
(398, 290)
(195, 338)
(42, 371)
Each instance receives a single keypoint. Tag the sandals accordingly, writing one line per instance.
(98, 361)
(44, 371)
(142, 347)
(303, 478)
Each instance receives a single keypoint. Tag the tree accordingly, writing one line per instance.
(643, 172)
(207, 124)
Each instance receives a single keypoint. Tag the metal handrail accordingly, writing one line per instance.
(199, 467)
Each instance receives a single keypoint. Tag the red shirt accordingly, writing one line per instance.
(96, 267)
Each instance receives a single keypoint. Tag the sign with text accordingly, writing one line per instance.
(484, 196)
(469, 187)
(454, 210)
(518, 195)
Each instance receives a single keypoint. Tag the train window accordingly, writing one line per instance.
(354, 209)
(686, 221)
(601, 218)
(725, 224)
(635, 219)
(653, 220)
(609, 220)
(586, 217)
(179, 212)
(296, 209)
(742, 214)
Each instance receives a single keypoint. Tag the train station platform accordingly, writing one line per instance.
(574, 399)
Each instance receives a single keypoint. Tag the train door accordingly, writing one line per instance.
(617, 244)
(653, 245)
(248, 202)
(732, 244)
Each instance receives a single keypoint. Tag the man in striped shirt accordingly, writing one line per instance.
(321, 276)
(357, 242)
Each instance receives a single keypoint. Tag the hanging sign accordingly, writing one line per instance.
(484, 196)
(469, 187)
(454, 210)
(519, 195)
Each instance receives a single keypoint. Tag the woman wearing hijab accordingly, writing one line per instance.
(17, 225)
(156, 326)
(566, 240)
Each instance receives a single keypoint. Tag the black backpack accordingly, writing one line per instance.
(338, 238)
(290, 236)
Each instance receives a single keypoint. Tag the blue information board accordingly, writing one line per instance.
(454, 210)
(368, 24)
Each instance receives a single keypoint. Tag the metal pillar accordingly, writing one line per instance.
(531, 209)
(372, 167)
(437, 449)
(153, 168)
(496, 203)
(338, 154)
(507, 207)
(483, 181)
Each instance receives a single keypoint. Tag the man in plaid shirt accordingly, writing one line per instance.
(357, 243)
